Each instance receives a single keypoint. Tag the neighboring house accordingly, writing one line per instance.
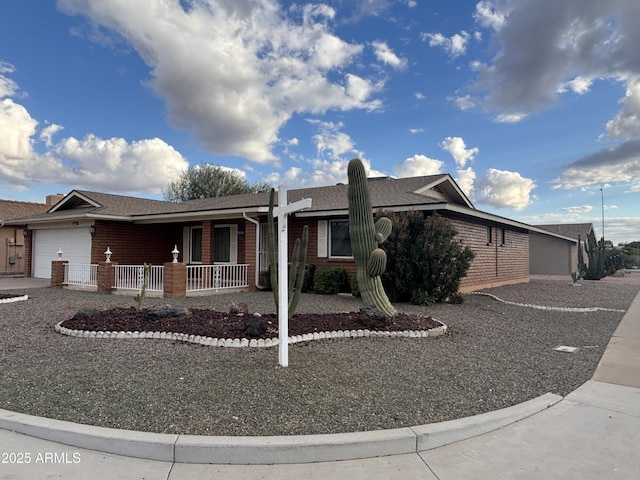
(12, 237)
(549, 255)
(232, 230)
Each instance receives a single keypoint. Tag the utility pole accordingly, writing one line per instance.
(602, 197)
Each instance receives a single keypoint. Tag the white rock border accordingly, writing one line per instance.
(543, 307)
(20, 298)
(257, 343)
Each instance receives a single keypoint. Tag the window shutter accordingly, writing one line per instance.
(322, 238)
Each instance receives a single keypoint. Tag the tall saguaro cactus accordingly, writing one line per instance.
(298, 262)
(366, 237)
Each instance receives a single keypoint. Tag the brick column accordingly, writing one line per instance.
(106, 276)
(57, 273)
(175, 280)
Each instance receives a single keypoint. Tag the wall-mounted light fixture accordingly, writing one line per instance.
(25, 232)
(92, 230)
(60, 252)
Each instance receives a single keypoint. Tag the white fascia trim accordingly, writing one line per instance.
(504, 221)
(71, 195)
(198, 215)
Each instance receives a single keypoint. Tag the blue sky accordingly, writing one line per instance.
(532, 106)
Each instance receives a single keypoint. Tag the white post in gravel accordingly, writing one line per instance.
(281, 212)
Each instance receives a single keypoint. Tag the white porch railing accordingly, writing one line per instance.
(131, 277)
(81, 275)
(216, 277)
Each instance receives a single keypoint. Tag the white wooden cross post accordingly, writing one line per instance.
(281, 212)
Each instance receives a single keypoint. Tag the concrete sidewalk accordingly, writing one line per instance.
(593, 433)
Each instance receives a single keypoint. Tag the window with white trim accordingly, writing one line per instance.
(339, 239)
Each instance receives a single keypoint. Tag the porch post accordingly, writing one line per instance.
(207, 242)
(106, 276)
(57, 273)
(175, 280)
(250, 257)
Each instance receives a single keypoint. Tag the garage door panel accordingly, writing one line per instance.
(74, 242)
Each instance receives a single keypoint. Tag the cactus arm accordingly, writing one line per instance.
(383, 227)
(377, 263)
(365, 238)
(299, 273)
(293, 269)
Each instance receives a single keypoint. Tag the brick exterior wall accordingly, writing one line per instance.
(134, 244)
(28, 254)
(494, 263)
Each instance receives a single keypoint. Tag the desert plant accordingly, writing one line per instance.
(139, 298)
(366, 237)
(426, 263)
(594, 267)
(297, 265)
(329, 280)
(576, 276)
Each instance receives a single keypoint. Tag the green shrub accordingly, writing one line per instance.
(424, 261)
(355, 289)
(329, 280)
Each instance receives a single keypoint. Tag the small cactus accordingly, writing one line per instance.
(366, 237)
(144, 274)
(298, 262)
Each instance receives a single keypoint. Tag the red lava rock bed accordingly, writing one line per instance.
(215, 324)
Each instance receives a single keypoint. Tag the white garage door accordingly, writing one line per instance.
(74, 242)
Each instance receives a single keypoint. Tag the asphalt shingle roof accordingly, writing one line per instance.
(13, 209)
(571, 230)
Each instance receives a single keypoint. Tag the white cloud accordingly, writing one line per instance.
(466, 102)
(578, 209)
(385, 55)
(419, 165)
(458, 150)
(113, 164)
(626, 123)
(48, 132)
(420, 95)
(579, 85)
(489, 16)
(510, 117)
(505, 189)
(416, 130)
(144, 165)
(546, 46)
(618, 164)
(7, 86)
(466, 180)
(331, 141)
(16, 129)
(455, 45)
(234, 73)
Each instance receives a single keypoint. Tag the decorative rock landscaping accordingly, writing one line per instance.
(254, 343)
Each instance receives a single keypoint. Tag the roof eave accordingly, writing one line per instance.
(198, 215)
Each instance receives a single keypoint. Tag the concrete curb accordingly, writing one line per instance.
(270, 450)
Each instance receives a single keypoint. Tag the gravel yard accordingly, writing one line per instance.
(495, 355)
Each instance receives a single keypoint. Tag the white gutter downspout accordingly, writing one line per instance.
(257, 275)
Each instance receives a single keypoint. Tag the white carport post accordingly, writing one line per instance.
(281, 212)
